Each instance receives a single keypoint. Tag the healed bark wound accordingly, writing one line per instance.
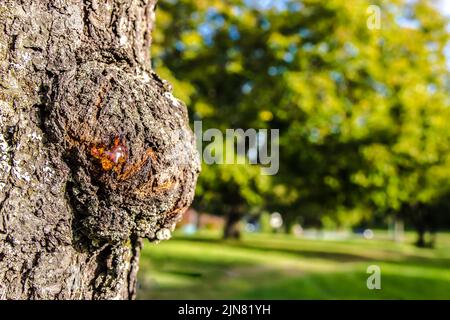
(75, 76)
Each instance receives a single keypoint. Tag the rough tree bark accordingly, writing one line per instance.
(95, 152)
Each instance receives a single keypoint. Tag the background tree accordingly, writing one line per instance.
(408, 170)
(95, 152)
(232, 190)
(361, 111)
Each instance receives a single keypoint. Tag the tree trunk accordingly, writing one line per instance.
(95, 152)
(231, 229)
(419, 220)
(420, 237)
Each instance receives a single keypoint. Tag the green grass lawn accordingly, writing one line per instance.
(283, 267)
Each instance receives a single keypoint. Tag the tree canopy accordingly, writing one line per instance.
(362, 112)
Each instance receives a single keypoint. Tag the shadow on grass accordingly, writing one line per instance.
(400, 258)
(340, 285)
(205, 274)
(270, 283)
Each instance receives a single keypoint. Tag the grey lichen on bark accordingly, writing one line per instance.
(76, 85)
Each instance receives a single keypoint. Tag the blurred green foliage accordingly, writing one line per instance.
(363, 113)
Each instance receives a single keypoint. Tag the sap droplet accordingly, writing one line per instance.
(163, 234)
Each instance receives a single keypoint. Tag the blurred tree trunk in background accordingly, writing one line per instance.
(422, 220)
(232, 224)
(95, 152)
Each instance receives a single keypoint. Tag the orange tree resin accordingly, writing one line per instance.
(112, 158)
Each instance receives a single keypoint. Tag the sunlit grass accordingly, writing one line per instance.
(280, 266)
